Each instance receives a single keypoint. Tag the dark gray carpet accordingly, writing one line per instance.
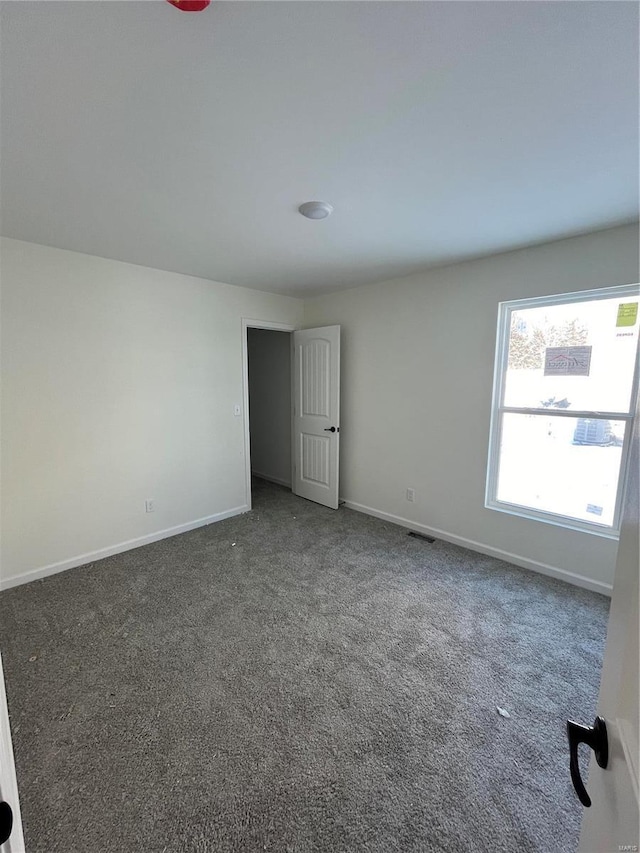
(325, 684)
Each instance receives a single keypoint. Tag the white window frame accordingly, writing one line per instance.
(498, 410)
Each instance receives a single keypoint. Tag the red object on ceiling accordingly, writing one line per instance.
(190, 5)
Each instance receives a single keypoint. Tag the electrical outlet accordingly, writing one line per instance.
(149, 506)
(411, 495)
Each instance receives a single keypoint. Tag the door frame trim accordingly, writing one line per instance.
(250, 323)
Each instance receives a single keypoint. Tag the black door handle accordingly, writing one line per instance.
(594, 736)
(330, 429)
(6, 821)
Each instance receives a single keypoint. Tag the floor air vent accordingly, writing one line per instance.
(426, 538)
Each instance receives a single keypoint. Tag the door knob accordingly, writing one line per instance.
(6, 821)
(330, 429)
(594, 736)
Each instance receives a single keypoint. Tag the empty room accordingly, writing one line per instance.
(319, 436)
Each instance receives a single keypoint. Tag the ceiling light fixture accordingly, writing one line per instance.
(316, 209)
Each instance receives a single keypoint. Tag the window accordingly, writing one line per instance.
(563, 401)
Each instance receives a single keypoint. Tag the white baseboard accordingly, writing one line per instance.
(271, 479)
(488, 550)
(481, 548)
(92, 556)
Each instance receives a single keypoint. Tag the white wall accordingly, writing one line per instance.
(417, 370)
(269, 356)
(118, 385)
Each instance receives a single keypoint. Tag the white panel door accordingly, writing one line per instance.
(611, 823)
(316, 414)
(11, 838)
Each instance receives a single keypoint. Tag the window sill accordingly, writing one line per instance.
(556, 520)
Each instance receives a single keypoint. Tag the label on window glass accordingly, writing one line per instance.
(596, 510)
(627, 314)
(567, 361)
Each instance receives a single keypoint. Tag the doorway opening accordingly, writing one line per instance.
(292, 409)
(267, 405)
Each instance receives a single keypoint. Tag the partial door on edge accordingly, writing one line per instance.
(11, 837)
(316, 414)
(611, 824)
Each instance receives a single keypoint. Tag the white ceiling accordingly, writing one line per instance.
(438, 130)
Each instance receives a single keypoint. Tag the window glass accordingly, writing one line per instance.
(577, 356)
(563, 465)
